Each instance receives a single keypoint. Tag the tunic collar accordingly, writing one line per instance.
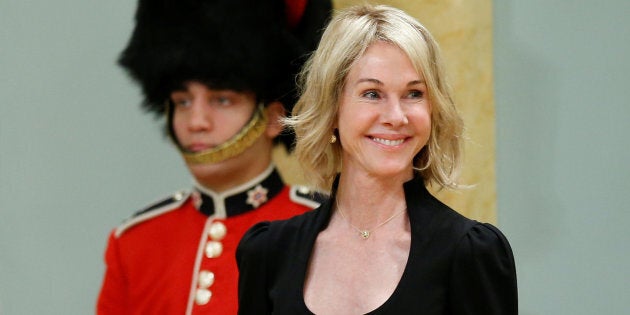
(240, 199)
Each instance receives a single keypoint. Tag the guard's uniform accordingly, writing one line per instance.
(178, 256)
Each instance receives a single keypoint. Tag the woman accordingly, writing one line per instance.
(375, 124)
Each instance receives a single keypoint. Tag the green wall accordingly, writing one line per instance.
(562, 78)
(77, 155)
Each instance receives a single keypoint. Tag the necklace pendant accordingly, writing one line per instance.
(365, 234)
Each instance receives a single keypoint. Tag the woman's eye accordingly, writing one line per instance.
(416, 94)
(371, 95)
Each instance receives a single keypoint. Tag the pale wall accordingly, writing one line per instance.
(563, 105)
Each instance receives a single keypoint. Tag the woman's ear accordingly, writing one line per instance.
(275, 111)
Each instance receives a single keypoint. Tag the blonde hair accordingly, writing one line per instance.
(323, 78)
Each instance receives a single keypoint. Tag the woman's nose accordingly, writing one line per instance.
(394, 114)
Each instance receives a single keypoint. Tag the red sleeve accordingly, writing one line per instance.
(112, 298)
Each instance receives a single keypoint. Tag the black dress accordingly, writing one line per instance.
(455, 265)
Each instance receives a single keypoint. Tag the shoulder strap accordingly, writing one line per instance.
(155, 209)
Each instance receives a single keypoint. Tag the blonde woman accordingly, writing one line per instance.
(375, 125)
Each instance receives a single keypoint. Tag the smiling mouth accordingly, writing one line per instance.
(388, 142)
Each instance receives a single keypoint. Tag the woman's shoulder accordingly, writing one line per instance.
(472, 234)
(484, 237)
(484, 252)
(483, 273)
(448, 226)
(278, 234)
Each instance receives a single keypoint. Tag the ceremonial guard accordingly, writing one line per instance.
(221, 73)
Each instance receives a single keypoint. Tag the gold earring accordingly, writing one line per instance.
(333, 139)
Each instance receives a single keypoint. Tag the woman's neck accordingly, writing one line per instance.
(368, 200)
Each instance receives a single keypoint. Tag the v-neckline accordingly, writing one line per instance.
(417, 229)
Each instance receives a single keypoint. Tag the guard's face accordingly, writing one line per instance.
(384, 113)
(204, 118)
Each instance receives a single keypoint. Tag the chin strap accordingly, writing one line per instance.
(234, 146)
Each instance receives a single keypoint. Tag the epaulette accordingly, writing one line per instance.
(306, 196)
(155, 209)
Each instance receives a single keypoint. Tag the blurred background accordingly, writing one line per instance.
(549, 149)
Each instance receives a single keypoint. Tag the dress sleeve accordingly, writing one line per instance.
(112, 297)
(251, 259)
(483, 279)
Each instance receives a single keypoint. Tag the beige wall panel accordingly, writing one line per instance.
(464, 32)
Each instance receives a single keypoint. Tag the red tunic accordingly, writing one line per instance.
(178, 256)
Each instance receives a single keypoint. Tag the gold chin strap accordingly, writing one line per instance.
(234, 146)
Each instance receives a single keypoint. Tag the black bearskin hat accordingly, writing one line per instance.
(243, 45)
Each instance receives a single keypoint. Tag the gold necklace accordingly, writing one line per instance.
(365, 233)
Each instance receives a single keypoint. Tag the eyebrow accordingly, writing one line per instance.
(375, 81)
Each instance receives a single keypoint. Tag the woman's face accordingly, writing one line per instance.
(384, 114)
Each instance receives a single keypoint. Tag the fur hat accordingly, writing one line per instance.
(243, 45)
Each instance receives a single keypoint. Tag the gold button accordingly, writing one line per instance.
(202, 296)
(217, 231)
(206, 279)
(214, 249)
(178, 196)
